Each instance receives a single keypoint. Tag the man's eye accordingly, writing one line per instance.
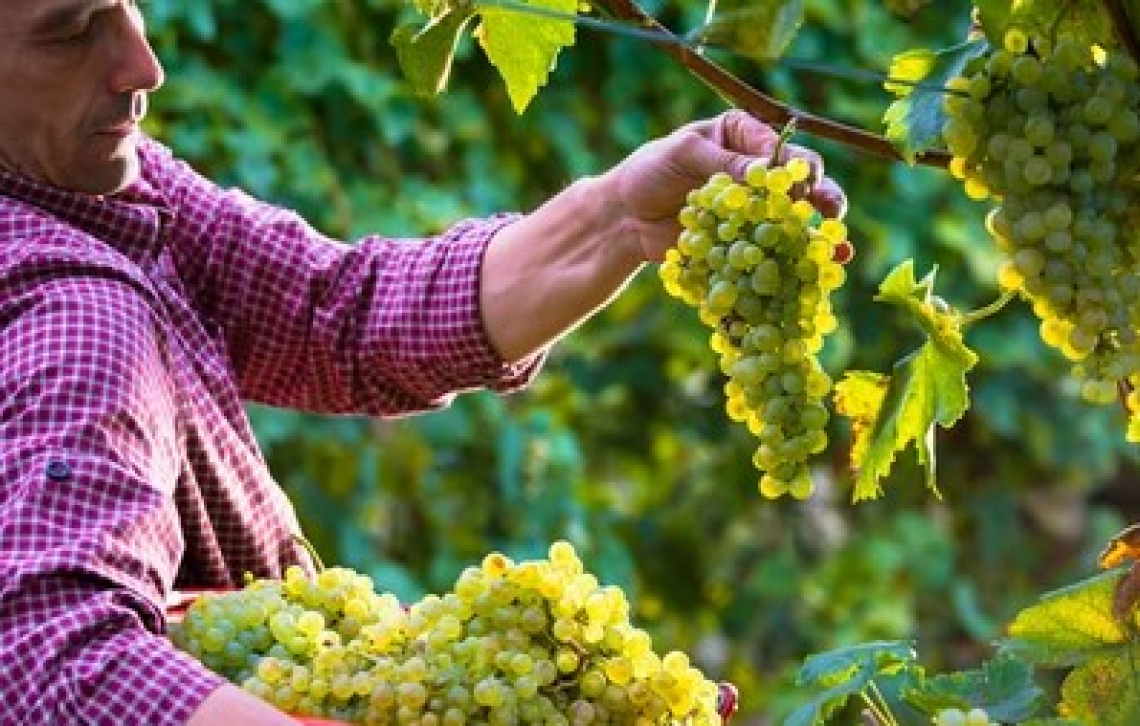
(74, 35)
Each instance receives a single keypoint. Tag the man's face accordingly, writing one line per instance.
(74, 77)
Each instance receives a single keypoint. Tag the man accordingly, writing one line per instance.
(140, 305)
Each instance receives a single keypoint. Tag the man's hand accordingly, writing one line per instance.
(229, 706)
(651, 183)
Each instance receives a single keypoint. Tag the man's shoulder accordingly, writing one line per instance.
(29, 233)
(36, 247)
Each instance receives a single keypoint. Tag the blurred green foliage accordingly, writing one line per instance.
(622, 445)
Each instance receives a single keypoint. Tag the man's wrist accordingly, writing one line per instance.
(602, 198)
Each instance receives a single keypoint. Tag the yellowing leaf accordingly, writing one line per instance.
(524, 46)
(1105, 690)
(911, 65)
(859, 396)
(1068, 625)
(926, 388)
(1124, 546)
(914, 121)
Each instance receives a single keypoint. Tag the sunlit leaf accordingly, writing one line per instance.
(1068, 625)
(524, 46)
(1083, 19)
(426, 54)
(942, 326)
(758, 30)
(1123, 546)
(914, 121)
(926, 388)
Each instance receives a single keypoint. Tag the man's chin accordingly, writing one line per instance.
(108, 178)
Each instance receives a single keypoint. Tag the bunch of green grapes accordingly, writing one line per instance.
(1050, 130)
(760, 274)
(534, 642)
(958, 717)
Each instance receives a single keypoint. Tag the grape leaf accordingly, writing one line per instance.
(1084, 19)
(425, 55)
(927, 387)
(1105, 690)
(914, 121)
(1068, 626)
(1004, 687)
(917, 298)
(524, 46)
(845, 672)
(1075, 627)
(760, 31)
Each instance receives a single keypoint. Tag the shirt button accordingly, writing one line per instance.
(58, 470)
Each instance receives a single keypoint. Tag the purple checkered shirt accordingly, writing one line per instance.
(131, 330)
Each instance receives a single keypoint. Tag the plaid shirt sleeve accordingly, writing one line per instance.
(89, 538)
(381, 327)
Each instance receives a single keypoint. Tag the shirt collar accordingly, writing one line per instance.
(132, 221)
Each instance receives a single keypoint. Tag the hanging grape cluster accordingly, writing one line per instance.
(1050, 130)
(760, 274)
(535, 642)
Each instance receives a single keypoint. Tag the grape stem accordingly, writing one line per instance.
(317, 561)
(877, 706)
(992, 309)
(759, 104)
(785, 135)
(869, 718)
(1124, 28)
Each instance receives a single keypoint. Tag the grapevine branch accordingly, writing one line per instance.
(1123, 26)
(746, 97)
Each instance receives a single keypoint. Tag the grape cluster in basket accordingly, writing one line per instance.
(534, 642)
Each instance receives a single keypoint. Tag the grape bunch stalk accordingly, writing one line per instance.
(760, 271)
(1048, 128)
(533, 642)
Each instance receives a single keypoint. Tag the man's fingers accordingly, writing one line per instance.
(742, 132)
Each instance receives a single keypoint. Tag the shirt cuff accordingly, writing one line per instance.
(494, 372)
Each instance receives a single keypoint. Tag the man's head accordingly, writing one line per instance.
(74, 78)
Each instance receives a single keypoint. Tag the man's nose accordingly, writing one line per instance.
(136, 67)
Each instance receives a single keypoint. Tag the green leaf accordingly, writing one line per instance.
(425, 55)
(760, 31)
(845, 672)
(941, 326)
(1068, 626)
(1004, 687)
(927, 387)
(1084, 19)
(1105, 690)
(524, 46)
(914, 121)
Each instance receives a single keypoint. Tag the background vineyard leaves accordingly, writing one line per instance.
(622, 446)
